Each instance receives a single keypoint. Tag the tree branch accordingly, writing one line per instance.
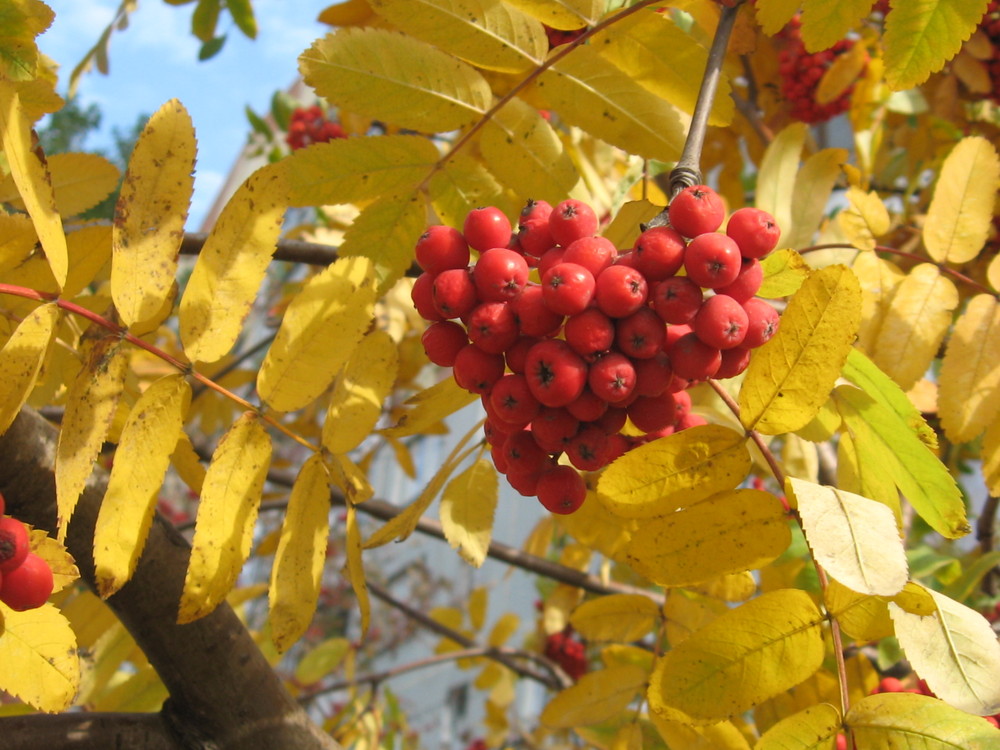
(87, 731)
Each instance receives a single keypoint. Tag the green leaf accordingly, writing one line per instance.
(920, 37)
(909, 720)
(204, 19)
(211, 48)
(885, 441)
(396, 79)
(242, 13)
(784, 272)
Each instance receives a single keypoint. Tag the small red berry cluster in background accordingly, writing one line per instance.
(559, 37)
(896, 685)
(25, 578)
(600, 338)
(801, 73)
(568, 652)
(309, 125)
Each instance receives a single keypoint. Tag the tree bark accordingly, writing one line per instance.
(223, 693)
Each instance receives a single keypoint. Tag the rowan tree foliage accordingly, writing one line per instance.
(807, 562)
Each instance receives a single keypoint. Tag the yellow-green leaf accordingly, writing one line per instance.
(591, 93)
(879, 280)
(320, 330)
(908, 720)
(721, 736)
(920, 37)
(321, 660)
(32, 180)
(791, 376)
(298, 563)
(395, 78)
(461, 184)
(864, 219)
(889, 446)
(778, 171)
(384, 232)
(79, 182)
(727, 533)
(773, 15)
(467, 508)
(960, 216)
(596, 697)
(855, 539)
(90, 408)
(41, 662)
(23, 21)
(619, 617)
(226, 516)
(813, 185)
(915, 324)
(661, 57)
(355, 567)
(150, 214)
(814, 728)
(356, 401)
(526, 154)
(675, 471)
(784, 272)
(861, 617)
(749, 654)
(21, 359)
(147, 440)
(969, 383)
(231, 265)
(563, 14)
(430, 406)
(825, 23)
(955, 650)
(490, 35)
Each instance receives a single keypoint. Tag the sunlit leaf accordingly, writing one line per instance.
(596, 697)
(355, 567)
(905, 720)
(618, 617)
(824, 24)
(865, 219)
(813, 186)
(879, 280)
(79, 181)
(321, 660)
(778, 170)
(467, 508)
(784, 272)
(430, 406)
(41, 663)
(773, 15)
(562, 14)
(969, 383)
(861, 616)
(723, 735)
(21, 359)
(385, 232)
(811, 729)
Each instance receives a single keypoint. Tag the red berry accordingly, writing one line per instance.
(475, 370)
(568, 288)
(534, 236)
(762, 323)
(441, 247)
(534, 318)
(486, 227)
(659, 253)
(556, 374)
(454, 293)
(890, 685)
(721, 322)
(693, 359)
(755, 231)
(593, 253)
(553, 428)
(641, 335)
(677, 300)
(588, 406)
(493, 327)
(712, 260)
(588, 449)
(512, 400)
(517, 355)
(422, 295)
(748, 282)
(442, 342)
(523, 454)
(27, 586)
(561, 490)
(653, 413)
(612, 377)
(500, 275)
(14, 544)
(653, 375)
(734, 361)
(571, 220)
(696, 210)
(589, 332)
(620, 291)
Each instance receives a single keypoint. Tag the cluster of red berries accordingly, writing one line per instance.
(801, 73)
(568, 652)
(566, 339)
(309, 125)
(25, 578)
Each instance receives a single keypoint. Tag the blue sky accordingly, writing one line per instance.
(156, 59)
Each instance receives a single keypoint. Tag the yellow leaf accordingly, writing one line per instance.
(727, 533)
(915, 324)
(955, 650)
(665, 60)
(618, 617)
(921, 37)
(629, 737)
(778, 171)
(773, 15)
(991, 457)
(90, 408)
(17, 240)
(321, 660)
(461, 184)
(969, 383)
(349, 478)
(993, 272)
(862, 617)
(41, 663)
(347, 13)
(855, 539)
(150, 214)
(784, 272)
(384, 231)
(675, 471)
(467, 508)
(489, 35)
(721, 736)
(355, 567)
(147, 440)
(395, 78)
(224, 527)
(21, 359)
(231, 265)
(89, 250)
(595, 526)
(356, 402)
(32, 180)
(624, 228)
(477, 603)
(731, 587)
(813, 185)
(563, 14)
(596, 697)
(505, 626)
(187, 464)
(879, 279)
(750, 654)
(591, 93)
(687, 612)
(891, 720)
(320, 330)
(79, 182)
(819, 723)
(64, 570)
(430, 406)
(24, 20)
(526, 154)
(960, 216)
(865, 219)
(298, 564)
(824, 23)
(791, 376)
